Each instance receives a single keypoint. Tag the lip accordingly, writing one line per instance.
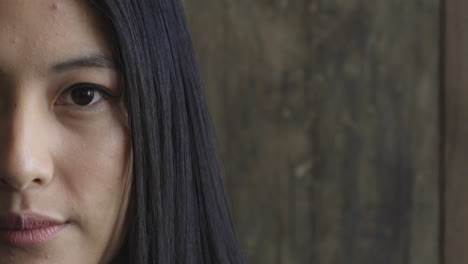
(29, 230)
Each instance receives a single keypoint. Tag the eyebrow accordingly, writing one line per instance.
(97, 60)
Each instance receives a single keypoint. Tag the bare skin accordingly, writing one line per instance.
(61, 155)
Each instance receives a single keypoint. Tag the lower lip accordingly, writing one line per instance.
(31, 237)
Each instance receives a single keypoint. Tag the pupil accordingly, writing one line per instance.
(82, 96)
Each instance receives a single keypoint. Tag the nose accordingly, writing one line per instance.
(24, 155)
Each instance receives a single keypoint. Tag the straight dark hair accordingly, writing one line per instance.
(178, 208)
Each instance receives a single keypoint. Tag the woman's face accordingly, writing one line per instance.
(64, 145)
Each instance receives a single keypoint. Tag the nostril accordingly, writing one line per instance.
(20, 187)
(3, 182)
(38, 181)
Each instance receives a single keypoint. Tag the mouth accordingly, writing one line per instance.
(29, 230)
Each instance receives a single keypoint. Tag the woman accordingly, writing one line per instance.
(106, 149)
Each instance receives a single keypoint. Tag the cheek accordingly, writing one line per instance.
(92, 172)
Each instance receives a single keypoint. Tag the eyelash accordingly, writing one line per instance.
(103, 92)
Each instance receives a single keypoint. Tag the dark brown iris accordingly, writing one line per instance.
(82, 96)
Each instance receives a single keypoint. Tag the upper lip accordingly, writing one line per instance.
(26, 221)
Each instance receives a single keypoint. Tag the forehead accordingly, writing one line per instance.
(36, 33)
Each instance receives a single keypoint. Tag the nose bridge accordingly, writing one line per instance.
(24, 154)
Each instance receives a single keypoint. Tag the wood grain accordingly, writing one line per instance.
(456, 132)
(327, 116)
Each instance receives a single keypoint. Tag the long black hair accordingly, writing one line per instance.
(178, 208)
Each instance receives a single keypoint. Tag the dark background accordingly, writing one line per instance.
(341, 125)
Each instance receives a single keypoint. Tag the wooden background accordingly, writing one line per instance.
(456, 132)
(330, 118)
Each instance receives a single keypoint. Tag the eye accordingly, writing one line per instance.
(83, 95)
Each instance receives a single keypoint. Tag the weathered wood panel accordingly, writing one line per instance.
(456, 132)
(327, 116)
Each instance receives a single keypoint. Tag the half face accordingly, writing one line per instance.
(64, 145)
